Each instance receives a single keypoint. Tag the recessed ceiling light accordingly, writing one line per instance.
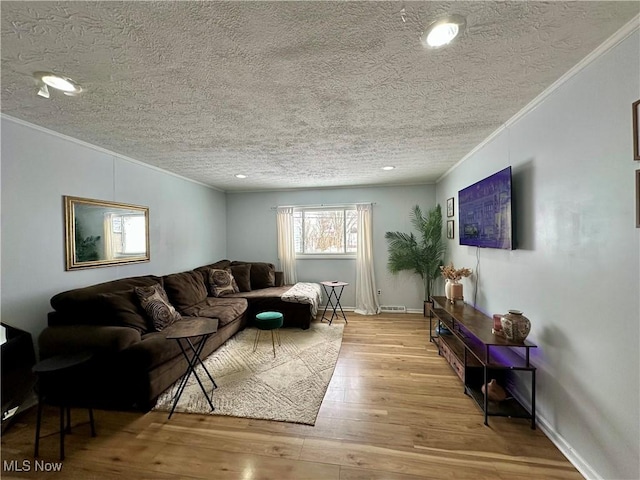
(64, 84)
(240, 175)
(443, 31)
(389, 167)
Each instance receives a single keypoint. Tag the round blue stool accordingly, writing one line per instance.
(268, 321)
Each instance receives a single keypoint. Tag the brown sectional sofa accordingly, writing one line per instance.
(132, 363)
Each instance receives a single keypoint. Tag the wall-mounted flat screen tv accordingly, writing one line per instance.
(484, 210)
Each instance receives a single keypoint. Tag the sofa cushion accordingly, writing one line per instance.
(152, 351)
(155, 302)
(221, 282)
(85, 306)
(185, 289)
(99, 339)
(124, 307)
(242, 276)
(225, 309)
(270, 299)
(263, 275)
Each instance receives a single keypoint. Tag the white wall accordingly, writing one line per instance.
(187, 220)
(251, 230)
(576, 272)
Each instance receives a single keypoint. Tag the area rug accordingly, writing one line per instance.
(287, 388)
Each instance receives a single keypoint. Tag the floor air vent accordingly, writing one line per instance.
(393, 309)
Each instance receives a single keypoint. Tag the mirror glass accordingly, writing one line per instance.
(101, 233)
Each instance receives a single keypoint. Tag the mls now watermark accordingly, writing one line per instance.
(30, 466)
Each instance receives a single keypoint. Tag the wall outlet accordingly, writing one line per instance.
(379, 292)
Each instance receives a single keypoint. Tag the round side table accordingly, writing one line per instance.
(59, 378)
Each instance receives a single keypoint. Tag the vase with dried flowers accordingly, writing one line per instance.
(452, 275)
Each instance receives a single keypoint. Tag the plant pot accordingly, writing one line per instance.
(428, 307)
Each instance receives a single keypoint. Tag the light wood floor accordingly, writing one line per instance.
(394, 410)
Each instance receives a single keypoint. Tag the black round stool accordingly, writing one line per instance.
(62, 382)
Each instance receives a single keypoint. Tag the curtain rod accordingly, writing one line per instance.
(320, 205)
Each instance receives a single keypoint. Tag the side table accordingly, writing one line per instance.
(183, 332)
(58, 381)
(331, 290)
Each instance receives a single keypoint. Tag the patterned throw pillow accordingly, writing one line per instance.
(156, 304)
(221, 282)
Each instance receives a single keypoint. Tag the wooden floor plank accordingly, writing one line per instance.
(200, 462)
(227, 440)
(388, 459)
(394, 410)
(350, 473)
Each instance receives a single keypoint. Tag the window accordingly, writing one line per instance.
(128, 234)
(326, 231)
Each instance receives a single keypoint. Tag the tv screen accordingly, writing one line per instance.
(484, 210)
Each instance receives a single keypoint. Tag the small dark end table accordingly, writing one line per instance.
(330, 288)
(183, 332)
(58, 377)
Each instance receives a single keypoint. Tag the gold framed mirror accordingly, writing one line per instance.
(99, 233)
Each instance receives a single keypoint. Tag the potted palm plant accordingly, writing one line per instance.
(422, 253)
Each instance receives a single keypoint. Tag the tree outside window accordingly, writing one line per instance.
(327, 231)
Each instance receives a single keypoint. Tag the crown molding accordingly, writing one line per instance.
(102, 150)
(628, 29)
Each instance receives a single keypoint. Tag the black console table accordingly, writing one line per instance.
(478, 356)
(18, 357)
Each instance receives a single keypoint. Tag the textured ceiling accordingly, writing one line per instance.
(292, 94)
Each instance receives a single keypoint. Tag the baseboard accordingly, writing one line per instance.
(558, 440)
(561, 443)
(351, 309)
(346, 309)
(574, 457)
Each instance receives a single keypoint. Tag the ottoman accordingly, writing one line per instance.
(268, 321)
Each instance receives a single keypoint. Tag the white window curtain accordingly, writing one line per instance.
(108, 236)
(366, 299)
(286, 245)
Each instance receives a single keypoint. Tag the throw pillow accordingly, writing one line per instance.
(156, 304)
(185, 289)
(263, 275)
(221, 282)
(242, 276)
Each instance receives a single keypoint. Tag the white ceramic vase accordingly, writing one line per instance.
(447, 288)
